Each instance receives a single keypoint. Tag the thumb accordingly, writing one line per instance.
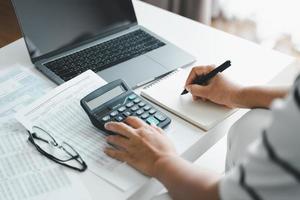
(198, 90)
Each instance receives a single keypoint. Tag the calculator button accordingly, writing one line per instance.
(140, 111)
(119, 118)
(122, 109)
(129, 105)
(114, 113)
(160, 117)
(147, 107)
(134, 108)
(152, 120)
(137, 101)
(132, 96)
(106, 118)
(142, 104)
(152, 111)
(145, 116)
(127, 113)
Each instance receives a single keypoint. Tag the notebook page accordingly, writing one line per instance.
(166, 93)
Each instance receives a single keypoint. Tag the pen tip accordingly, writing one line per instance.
(184, 92)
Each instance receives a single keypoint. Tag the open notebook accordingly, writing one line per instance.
(166, 93)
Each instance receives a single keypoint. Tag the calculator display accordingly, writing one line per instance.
(105, 97)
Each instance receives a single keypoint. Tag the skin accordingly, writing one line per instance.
(224, 92)
(147, 149)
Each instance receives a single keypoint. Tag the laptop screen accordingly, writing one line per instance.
(52, 25)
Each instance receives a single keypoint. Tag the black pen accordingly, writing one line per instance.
(203, 79)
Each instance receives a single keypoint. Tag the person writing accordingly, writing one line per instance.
(263, 160)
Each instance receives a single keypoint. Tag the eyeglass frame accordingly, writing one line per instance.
(77, 157)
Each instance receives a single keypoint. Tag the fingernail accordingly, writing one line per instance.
(107, 125)
(188, 88)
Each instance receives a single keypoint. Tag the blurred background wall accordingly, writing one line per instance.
(199, 10)
(9, 29)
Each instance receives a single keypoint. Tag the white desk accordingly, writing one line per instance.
(251, 65)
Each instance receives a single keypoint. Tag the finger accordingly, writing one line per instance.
(197, 71)
(144, 131)
(191, 77)
(120, 128)
(198, 90)
(159, 130)
(117, 154)
(135, 122)
(195, 98)
(119, 141)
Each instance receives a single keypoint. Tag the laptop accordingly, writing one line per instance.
(67, 37)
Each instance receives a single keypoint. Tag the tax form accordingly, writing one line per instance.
(59, 113)
(24, 173)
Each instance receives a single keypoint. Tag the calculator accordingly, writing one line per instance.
(115, 101)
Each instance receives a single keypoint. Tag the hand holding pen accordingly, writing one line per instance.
(203, 79)
(217, 89)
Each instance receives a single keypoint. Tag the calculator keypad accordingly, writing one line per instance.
(142, 104)
(129, 105)
(106, 118)
(122, 109)
(140, 111)
(152, 120)
(145, 115)
(137, 100)
(127, 114)
(160, 117)
(119, 118)
(132, 97)
(135, 106)
(152, 111)
(114, 113)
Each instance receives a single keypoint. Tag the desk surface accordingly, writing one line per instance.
(252, 65)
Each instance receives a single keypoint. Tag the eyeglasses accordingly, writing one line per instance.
(63, 154)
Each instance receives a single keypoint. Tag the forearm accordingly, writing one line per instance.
(258, 97)
(185, 181)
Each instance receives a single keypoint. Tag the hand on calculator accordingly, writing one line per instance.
(142, 145)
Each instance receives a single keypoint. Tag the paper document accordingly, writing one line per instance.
(24, 173)
(59, 113)
(18, 88)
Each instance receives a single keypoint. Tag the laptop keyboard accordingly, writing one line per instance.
(104, 55)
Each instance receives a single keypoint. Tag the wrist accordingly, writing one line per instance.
(236, 97)
(161, 165)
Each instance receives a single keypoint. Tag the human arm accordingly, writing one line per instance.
(270, 169)
(271, 166)
(148, 149)
(186, 181)
(222, 91)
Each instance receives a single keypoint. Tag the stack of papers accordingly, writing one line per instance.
(24, 173)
